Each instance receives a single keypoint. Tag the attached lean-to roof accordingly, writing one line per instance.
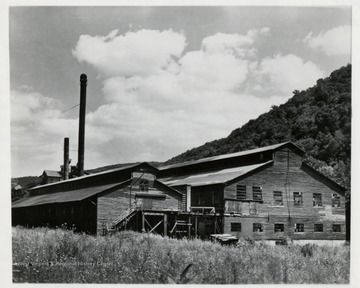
(214, 177)
(61, 197)
(233, 155)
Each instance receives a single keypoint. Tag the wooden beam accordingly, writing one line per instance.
(196, 224)
(142, 222)
(156, 226)
(147, 222)
(189, 226)
(165, 224)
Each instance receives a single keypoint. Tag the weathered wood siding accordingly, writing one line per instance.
(79, 215)
(114, 204)
(288, 176)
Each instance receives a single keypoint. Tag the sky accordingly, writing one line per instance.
(161, 80)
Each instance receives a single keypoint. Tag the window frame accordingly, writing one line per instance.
(318, 225)
(259, 228)
(316, 202)
(281, 225)
(335, 200)
(336, 230)
(276, 198)
(298, 195)
(235, 227)
(240, 192)
(257, 193)
(144, 185)
(299, 227)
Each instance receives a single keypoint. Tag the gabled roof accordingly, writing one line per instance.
(234, 155)
(68, 196)
(52, 173)
(96, 175)
(326, 180)
(214, 177)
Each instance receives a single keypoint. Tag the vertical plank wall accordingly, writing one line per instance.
(285, 175)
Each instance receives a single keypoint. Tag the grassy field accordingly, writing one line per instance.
(59, 256)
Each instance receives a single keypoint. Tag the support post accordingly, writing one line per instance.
(189, 226)
(188, 198)
(142, 221)
(196, 224)
(215, 224)
(165, 224)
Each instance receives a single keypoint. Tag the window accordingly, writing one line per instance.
(299, 227)
(335, 200)
(278, 198)
(236, 227)
(317, 200)
(318, 227)
(298, 199)
(257, 227)
(240, 192)
(257, 193)
(336, 228)
(144, 185)
(279, 227)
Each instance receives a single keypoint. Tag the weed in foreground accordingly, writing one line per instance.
(44, 255)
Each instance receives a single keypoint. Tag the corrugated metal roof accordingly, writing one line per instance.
(209, 178)
(91, 175)
(225, 156)
(61, 197)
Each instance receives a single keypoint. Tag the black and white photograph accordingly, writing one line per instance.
(179, 144)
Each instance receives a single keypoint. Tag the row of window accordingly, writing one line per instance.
(317, 199)
(241, 192)
(279, 227)
(278, 196)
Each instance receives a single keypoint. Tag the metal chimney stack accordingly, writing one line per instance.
(81, 143)
(66, 159)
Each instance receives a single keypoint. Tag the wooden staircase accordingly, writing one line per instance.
(124, 217)
(119, 222)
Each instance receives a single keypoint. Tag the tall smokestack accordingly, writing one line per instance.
(66, 159)
(81, 147)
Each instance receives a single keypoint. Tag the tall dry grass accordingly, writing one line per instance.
(60, 256)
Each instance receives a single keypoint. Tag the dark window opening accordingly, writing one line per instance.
(336, 228)
(257, 193)
(317, 200)
(298, 199)
(236, 227)
(279, 227)
(240, 192)
(144, 185)
(278, 198)
(257, 227)
(299, 227)
(318, 227)
(335, 200)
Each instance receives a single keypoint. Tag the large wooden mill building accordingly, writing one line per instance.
(266, 193)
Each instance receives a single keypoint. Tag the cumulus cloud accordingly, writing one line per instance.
(160, 99)
(35, 124)
(332, 42)
(144, 52)
(234, 44)
(282, 74)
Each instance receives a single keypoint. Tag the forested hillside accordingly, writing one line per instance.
(318, 120)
